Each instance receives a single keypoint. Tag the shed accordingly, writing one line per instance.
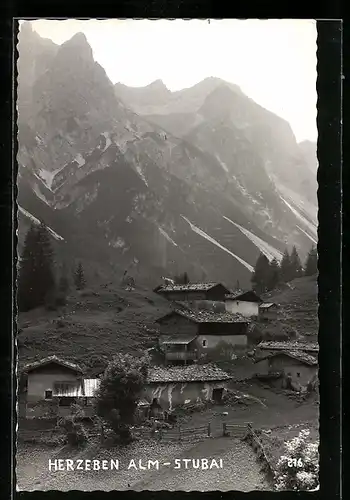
(46, 378)
(297, 367)
(174, 386)
(43, 375)
(245, 303)
(268, 311)
(179, 347)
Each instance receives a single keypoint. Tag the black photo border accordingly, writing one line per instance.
(329, 87)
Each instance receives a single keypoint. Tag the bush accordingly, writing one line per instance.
(298, 469)
(74, 431)
(157, 424)
(77, 411)
(46, 409)
(97, 363)
(119, 391)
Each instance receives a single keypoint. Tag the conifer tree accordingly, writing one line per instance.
(285, 273)
(274, 275)
(311, 262)
(79, 278)
(36, 280)
(260, 277)
(296, 268)
(25, 293)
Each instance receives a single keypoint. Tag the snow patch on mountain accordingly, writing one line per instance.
(216, 243)
(47, 177)
(40, 195)
(37, 221)
(268, 250)
(311, 227)
(29, 215)
(307, 234)
(108, 140)
(224, 166)
(244, 191)
(165, 234)
(141, 174)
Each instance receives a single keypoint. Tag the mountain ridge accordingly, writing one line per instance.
(117, 186)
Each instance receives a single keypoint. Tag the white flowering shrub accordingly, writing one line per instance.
(298, 468)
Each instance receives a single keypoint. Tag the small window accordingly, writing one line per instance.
(48, 394)
(298, 374)
(204, 343)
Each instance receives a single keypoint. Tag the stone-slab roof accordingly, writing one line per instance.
(189, 287)
(247, 296)
(52, 359)
(267, 305)
(190, 373)
(298, 355)
(203, 316)
(288, 346)
(177, 339)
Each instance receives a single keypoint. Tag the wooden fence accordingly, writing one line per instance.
(179, 433)
(253, 439)
(37, 435)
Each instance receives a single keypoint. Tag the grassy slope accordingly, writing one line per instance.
(298, 308)
(96, 322)
(107, 319)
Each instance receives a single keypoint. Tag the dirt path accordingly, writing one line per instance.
(240, 469)
(274, 409)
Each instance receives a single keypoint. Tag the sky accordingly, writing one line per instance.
(273, 61)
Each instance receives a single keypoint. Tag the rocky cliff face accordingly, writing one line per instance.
(158, 181)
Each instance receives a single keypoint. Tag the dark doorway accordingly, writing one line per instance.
(155, 409)
(48, 394)
(217, 395)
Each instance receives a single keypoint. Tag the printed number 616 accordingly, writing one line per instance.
(293, 462)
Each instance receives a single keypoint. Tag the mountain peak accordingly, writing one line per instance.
(78, 38)
(158, 84)
(78, 44)
(213, 79)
